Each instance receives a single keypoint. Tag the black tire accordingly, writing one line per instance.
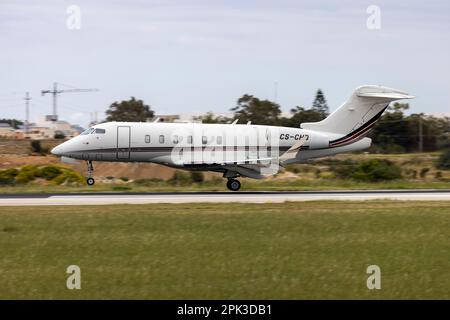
(90, 181)
(233, 185)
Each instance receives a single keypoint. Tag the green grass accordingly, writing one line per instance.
(247, 185)
(227, 251)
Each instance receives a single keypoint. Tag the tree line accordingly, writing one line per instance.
(395, 132)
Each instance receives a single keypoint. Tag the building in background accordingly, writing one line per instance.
(44, 128)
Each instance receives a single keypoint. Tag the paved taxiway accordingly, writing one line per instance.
(230, 197)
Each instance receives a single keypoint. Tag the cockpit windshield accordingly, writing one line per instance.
(93, 130)
(88, 131)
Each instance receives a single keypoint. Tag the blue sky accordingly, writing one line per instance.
(199, 56)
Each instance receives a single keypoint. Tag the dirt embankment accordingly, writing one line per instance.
(23, 147)
(18, 153)
(102, 169)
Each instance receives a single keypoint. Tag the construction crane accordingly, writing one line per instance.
(55, 93)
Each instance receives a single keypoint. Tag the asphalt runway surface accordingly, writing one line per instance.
(218, 197)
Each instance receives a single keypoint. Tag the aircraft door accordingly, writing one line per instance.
(252, 144)
(123, 142)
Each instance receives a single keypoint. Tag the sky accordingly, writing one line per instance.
(198, 56)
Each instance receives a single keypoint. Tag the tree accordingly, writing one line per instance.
(129, 110)
(250, 108)
(12, 122)
(59, 135)
(444, 161)
(396, 132)
(391, 133)
(320, 103)
(209, 117)
(301, 115)
(36, 146)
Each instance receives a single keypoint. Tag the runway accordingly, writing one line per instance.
(216, 197)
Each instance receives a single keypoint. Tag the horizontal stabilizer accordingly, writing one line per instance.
(391, 95)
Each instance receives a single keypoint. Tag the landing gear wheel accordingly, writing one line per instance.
(233, 185)
(90, 169)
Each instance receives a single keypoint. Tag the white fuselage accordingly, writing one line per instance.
(236, 150)
(213, 147)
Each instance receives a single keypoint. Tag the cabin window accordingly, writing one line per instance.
(100, 131)
(161, 139)
(189, 139)
(219, 139)
(204, 140)
(147, 138)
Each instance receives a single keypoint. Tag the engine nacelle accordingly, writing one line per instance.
(318, 140)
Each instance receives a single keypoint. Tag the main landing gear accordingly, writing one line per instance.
(90, 169)
(233, 184)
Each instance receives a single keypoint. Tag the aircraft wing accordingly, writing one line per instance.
(292, 152)
(247, 161)
(254, 167)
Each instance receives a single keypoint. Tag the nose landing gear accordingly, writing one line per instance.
(90, 169)
(233, 184)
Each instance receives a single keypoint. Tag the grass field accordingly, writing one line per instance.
(238, 251)
(247, 185)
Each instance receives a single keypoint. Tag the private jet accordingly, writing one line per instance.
(235, 150)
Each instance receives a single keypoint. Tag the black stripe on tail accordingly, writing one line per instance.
(358, 133)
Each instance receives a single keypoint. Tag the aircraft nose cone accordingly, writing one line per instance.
(57, 151)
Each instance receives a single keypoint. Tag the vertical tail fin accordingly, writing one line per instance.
(355, 117)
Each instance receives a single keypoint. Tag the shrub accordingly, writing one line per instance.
(27, 173)
(368, 170)
(377, 170)
(146, 182)
(444, 161)
(49, 172)
(197, 176)
(59, 135)
(36, 146)
(8, 176)
(125, 179)
(293, 168)
(29, 168)
(318, 173)
(413, 173)
(438, 175)
(423, 172)
(121, 188)
(69, 176)
(180, 178)
(327, 175)
(344, 169)
(25, 176)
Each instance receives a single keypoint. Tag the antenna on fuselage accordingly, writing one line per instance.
(235, 121)
(249, 123)
(156, 120)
